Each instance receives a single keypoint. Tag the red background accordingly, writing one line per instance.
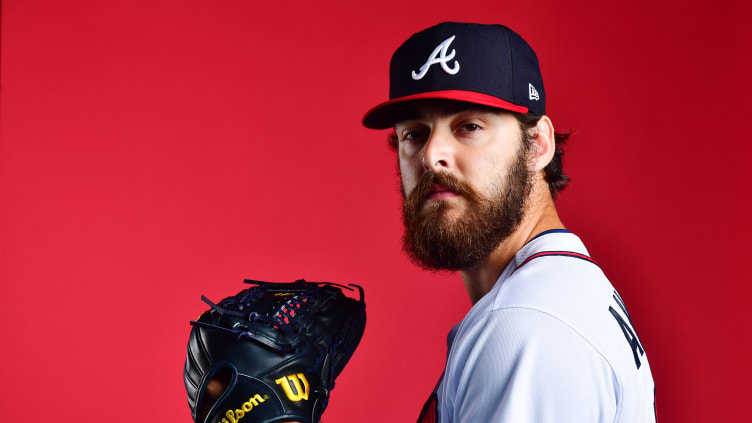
(153, 151)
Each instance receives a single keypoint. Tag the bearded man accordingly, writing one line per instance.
(547, 339)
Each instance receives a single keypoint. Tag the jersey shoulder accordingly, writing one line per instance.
(577, 293)
(566, 297)
(520, 364)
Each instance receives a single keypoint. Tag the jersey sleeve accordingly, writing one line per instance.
(523, 365)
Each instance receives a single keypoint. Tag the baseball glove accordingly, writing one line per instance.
(271, 352)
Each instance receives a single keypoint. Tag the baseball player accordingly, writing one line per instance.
(548, 339)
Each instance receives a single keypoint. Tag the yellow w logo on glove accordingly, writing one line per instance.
(292, 386)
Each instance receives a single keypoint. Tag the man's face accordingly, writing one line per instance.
(465, 182)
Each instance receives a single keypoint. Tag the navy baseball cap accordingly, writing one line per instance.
(489, 65)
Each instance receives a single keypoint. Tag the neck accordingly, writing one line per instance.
(540, 217)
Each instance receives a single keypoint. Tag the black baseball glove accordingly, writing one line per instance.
(271, 352)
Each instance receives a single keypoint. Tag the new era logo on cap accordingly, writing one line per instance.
(532, 92)
(499, 69)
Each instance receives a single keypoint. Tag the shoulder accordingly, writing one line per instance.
(536, 342)
(571, 295)
(505, 336)
(553, 330)
(554, 274)
(565, 287)
(521, 364)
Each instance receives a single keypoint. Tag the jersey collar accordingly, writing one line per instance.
(550, 240)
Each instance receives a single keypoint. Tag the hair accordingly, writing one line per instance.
(554, 172)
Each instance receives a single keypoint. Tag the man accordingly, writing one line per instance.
(548, 339)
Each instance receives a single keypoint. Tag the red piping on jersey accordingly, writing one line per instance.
(428, 414)
(557, 253)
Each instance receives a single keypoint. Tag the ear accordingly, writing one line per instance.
(544, 143)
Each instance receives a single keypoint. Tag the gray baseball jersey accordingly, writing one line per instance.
(551, 342)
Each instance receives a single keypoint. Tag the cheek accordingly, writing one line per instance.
(409, 175)
(484, 175)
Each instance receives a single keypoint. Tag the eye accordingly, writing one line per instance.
(471, 127)
(412, 134)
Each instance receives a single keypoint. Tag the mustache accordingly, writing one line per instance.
(425, 186)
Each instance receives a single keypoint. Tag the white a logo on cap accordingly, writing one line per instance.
(532, 92)
(439, 55)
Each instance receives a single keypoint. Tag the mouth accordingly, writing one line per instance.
(440, 192)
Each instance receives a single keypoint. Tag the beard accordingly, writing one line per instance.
(435, 241)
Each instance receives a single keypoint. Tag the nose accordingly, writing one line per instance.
(438, 152)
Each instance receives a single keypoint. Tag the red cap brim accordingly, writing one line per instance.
(383, 115)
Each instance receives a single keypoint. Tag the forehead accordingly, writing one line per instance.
(423, 109)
